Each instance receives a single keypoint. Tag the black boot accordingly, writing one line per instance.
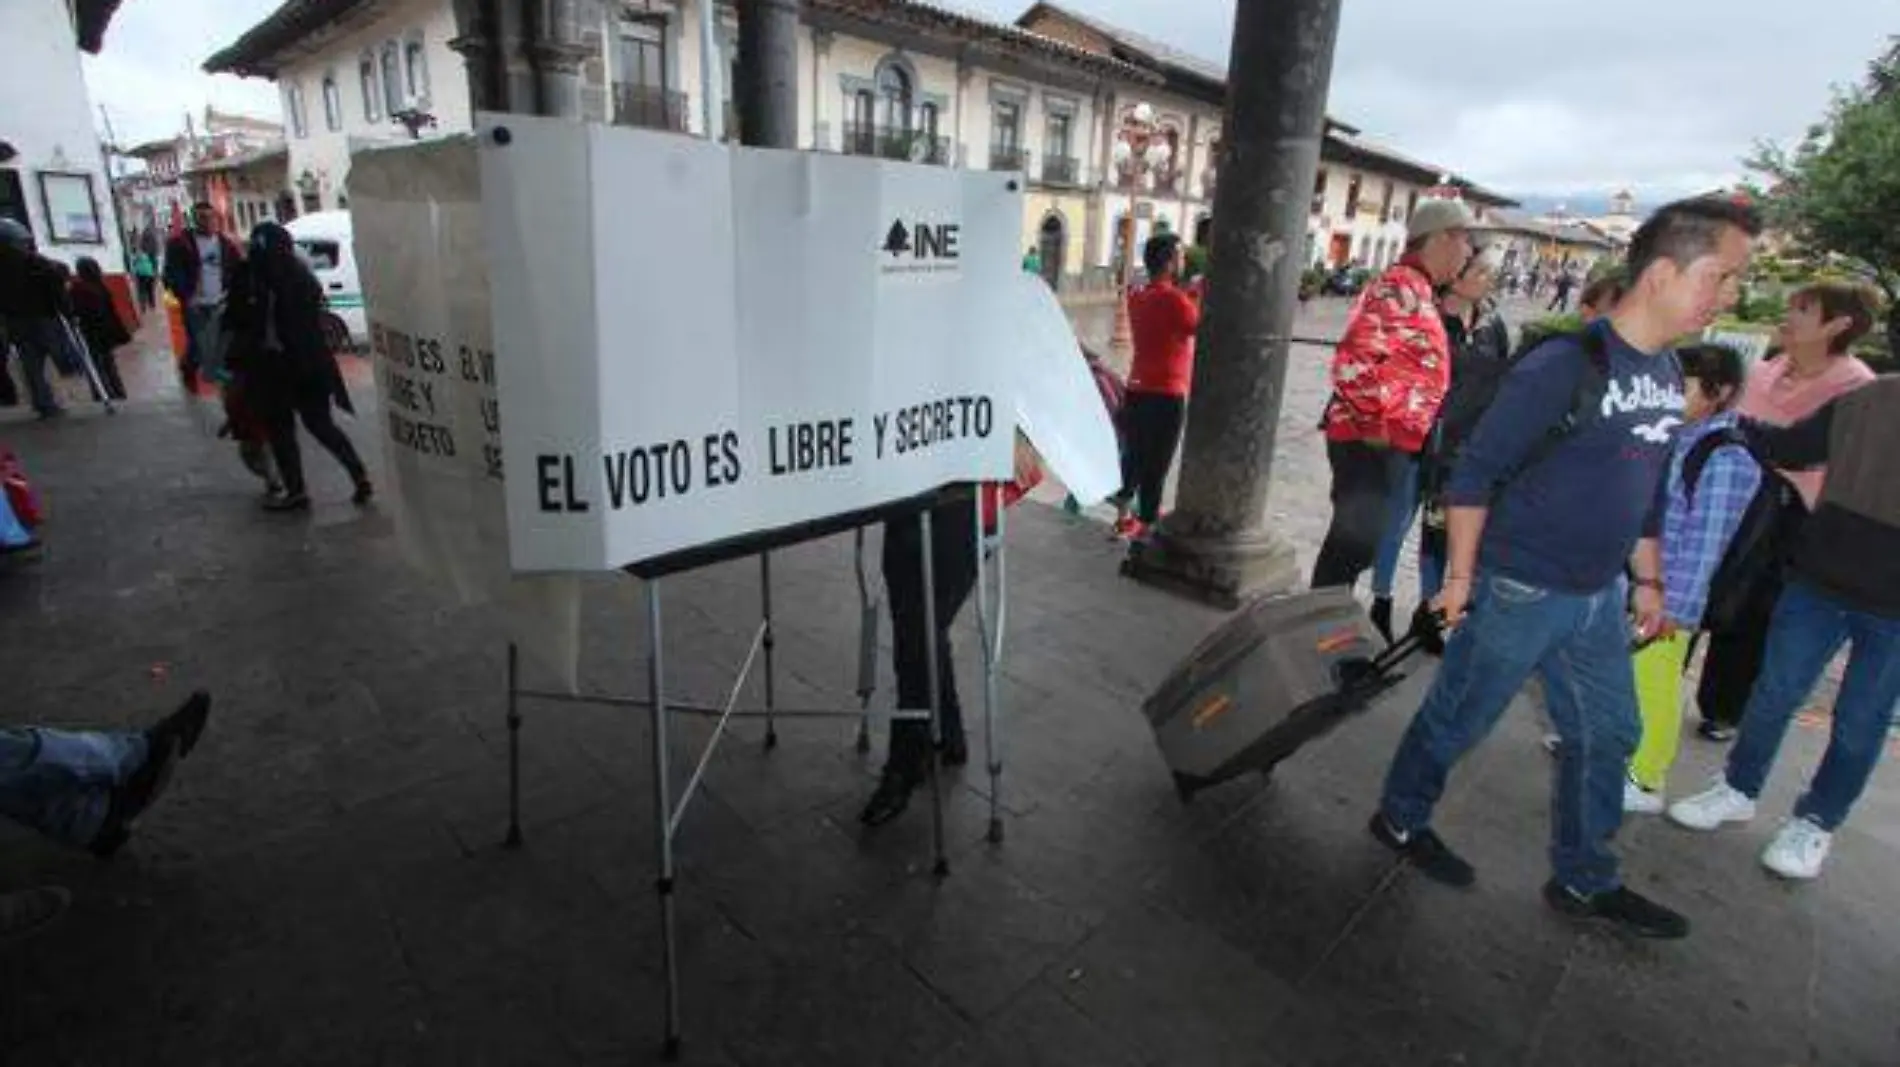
(1381, 614)
(889, 800)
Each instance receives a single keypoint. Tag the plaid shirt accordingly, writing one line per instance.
(1695, 538)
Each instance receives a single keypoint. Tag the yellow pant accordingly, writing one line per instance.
(1659, 699)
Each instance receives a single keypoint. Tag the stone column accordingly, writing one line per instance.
(768, 68)
(823, 91)
(1215, 545)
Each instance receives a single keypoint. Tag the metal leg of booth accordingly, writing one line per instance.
(867, 643)
(933, 674)
(663, 806)
(513, 840)
(771, 673)
(991, 634)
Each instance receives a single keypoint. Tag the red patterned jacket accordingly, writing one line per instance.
(1393, 364)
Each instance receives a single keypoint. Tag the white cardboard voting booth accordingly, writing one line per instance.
(609, 349)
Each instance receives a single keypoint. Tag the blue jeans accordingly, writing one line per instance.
(60, 781)
(1580, 646)
(204, 347)
(1809, 627)
(1398, 523)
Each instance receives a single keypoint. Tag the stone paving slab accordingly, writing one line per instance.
(325, 884)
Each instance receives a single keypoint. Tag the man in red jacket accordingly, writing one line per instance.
(1163, 317)
(1390, 375)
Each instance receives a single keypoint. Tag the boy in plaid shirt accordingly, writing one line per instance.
(1699, 521)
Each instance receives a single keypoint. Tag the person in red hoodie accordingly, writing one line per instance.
(1163, 318)
(1390, 375)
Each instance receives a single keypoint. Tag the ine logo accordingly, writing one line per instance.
(920, 248)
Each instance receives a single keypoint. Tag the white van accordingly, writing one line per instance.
(327, 242)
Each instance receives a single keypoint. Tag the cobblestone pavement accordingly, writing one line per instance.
(325, 885)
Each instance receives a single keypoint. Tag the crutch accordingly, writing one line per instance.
(868, 611)
(78, 341)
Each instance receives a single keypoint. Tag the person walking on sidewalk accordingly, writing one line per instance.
(1390, 374)
(1163, 318)
(1709, 486)
(1556, 493)
(99, 323)
(145, 277)
(1480, 354)
(1823, 322)
(1843, 589)
(198, 265)
(289, 366)
(32, 299)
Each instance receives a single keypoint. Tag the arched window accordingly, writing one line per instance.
(415, 69)
(332, 101)
(893, 93)
(372, 96)
(392, 79)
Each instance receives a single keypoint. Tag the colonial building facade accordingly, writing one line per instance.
(1117, 135)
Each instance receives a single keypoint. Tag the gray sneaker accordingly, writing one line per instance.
(25, 912)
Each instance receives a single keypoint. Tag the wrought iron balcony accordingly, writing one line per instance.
(1008, 157)
(893, 142)
(649, 107)
(1061, 170)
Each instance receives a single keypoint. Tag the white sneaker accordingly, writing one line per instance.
(1640, 801)
(1718, 804)
(1798, 850)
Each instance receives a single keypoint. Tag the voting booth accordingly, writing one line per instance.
(605, 349)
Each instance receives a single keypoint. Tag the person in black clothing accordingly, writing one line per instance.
(291, 371)
(32, 298)
(99, 323)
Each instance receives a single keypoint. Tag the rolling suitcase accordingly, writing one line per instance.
(1280, 673)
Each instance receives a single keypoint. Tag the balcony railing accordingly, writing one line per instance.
(1061, 170)
(649, 107)
(891, 142)
(1007, 157)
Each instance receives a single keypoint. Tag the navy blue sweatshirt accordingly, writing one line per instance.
(1567, 520)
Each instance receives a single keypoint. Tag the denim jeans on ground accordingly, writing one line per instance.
(60, 781)
(1579, 645)
(1398, 523)
(1809, 627)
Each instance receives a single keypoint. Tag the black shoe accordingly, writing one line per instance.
(1623, 906)
(890, 799)
(364, 491)
(954, 751)
(1710, 730)
(138, 793)
(1424, 850)
(1381, 614)
(288, 502)
(184, 725)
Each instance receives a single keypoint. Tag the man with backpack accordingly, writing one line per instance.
(1843, 588)
(1555, 495)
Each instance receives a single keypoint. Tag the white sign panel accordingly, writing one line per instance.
(417, 233)
(697, 343)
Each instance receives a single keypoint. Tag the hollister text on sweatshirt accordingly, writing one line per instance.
(1565, 515)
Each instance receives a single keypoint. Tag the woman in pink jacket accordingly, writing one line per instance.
(1823, 322)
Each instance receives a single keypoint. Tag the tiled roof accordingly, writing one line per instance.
(293, 21)
(242, 159)
(927, 16)
(1569, 232)
(1158, 52)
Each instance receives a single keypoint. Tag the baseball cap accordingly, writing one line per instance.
(1435, 216)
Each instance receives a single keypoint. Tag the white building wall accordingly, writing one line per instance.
(46, 114)
(324, 152)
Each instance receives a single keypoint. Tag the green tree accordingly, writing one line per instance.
(1838, 190)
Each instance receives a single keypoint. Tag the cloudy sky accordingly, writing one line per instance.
(1528, 96)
